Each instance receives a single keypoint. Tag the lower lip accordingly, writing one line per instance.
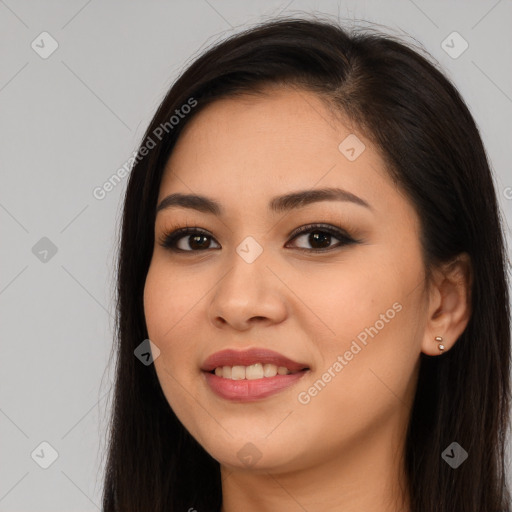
(251, 390)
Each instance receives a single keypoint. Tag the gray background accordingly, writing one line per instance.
(70, 121)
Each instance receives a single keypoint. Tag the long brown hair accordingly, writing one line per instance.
(433, 149)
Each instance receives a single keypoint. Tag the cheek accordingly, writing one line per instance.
(156, 304)
(371, 313)
(166, 301)
(167, 309)
(345, 299)
(368, 370)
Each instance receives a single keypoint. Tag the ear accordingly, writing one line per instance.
(449, 306)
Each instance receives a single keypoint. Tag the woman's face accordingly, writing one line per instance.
(353, 312)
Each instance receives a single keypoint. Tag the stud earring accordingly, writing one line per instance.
(439, 340)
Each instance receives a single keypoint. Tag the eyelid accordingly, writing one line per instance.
(176, 232)
(329, 228)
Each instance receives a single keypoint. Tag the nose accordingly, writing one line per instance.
(248, 294)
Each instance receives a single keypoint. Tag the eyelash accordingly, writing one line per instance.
(168, 239)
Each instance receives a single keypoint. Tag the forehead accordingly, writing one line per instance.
(284, 136)
(276, 110)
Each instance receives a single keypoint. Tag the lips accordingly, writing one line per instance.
(250, 390)
(248, 357)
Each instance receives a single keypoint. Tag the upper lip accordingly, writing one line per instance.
(231, 357)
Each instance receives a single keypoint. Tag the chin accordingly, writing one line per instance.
(255, 455)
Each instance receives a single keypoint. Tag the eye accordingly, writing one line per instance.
(197, 240)
(319, 237)
(192, 239)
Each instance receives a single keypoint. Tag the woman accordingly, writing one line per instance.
(311, 241)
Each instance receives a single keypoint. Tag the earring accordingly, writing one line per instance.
(439, 340)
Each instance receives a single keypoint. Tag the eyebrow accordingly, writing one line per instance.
(278, 204)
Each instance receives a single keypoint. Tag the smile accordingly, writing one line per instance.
(250, 375)
(252, 372)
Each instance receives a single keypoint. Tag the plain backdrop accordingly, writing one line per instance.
(79, 83)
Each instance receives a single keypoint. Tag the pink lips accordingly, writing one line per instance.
(250, 390)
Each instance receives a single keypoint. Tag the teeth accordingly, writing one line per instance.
(237, 372)
(269, 370)
(254, 371)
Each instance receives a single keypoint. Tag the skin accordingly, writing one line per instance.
(342, 450)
